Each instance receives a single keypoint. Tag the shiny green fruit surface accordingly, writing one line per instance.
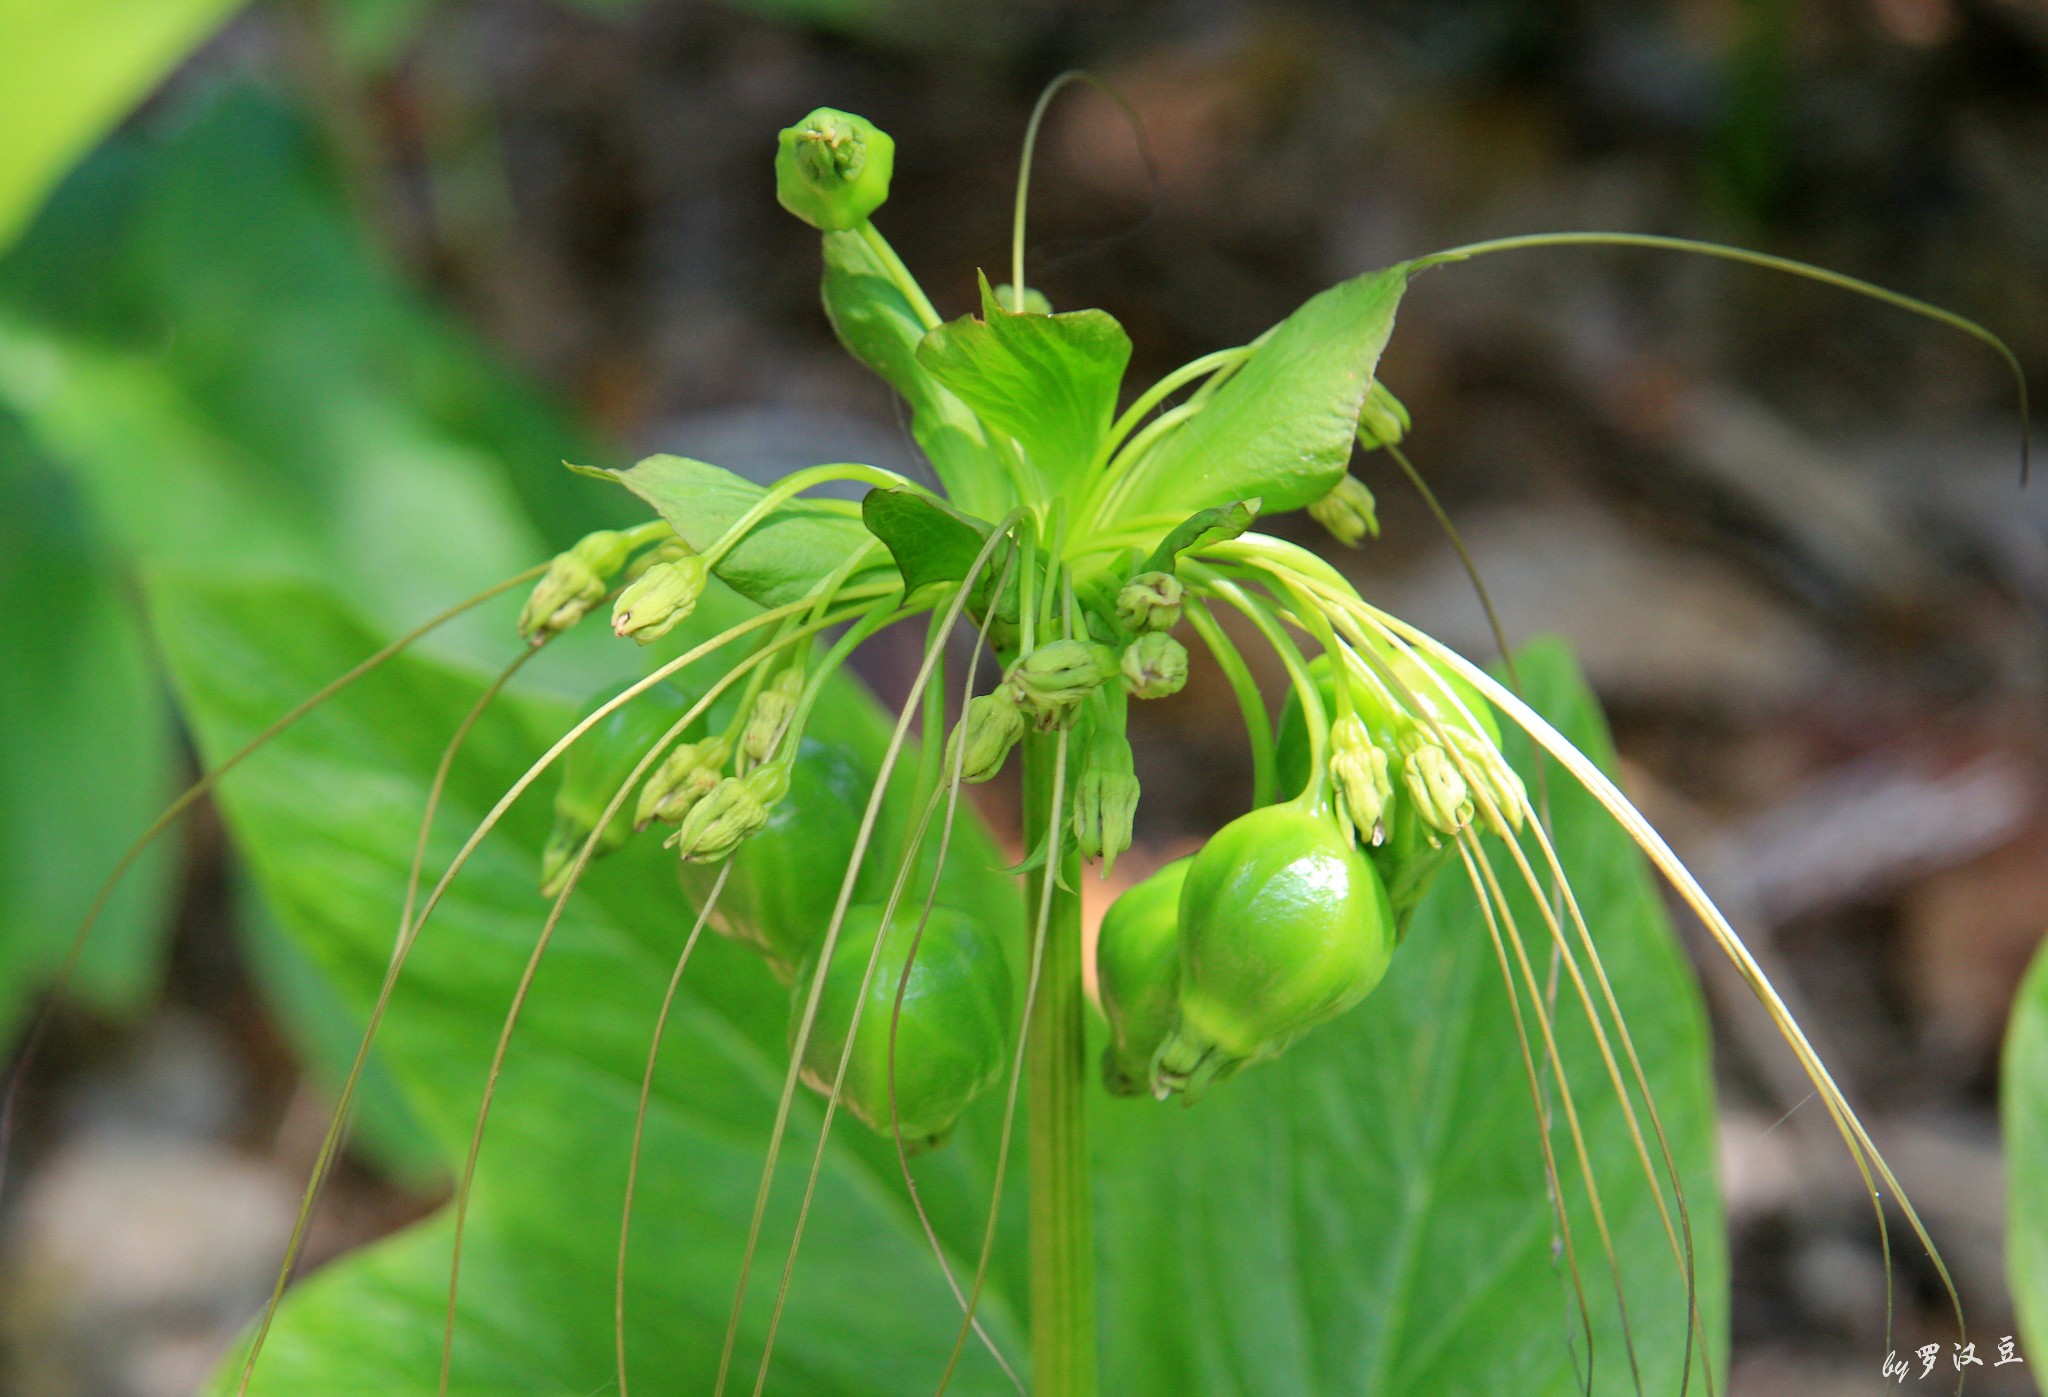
(953, 1037)
(1137, 971)
(1283, 924)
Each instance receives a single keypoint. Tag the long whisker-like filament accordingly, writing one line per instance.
(1552, 1185)
(668, 1000)
(191, 795)
(1571, 1112)
(465, 1186)
(801, 1039)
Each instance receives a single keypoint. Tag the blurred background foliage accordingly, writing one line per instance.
(329, 288)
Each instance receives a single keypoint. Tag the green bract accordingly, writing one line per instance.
(786, 875)
(1283, 924)
(832, 169)
(952, 1040)
(1137, 977)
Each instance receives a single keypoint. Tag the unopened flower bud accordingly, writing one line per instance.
(1349, 512)
(989, 730)
(1382, 421)
(1049, 681)
(737, 807)
(771, 714)
(1490, 770)
(660, 600)
(832, 169)
(1440, 794)
(1150, 602)
(685, 776)
(1359, 769)
(1105, 799)
(1154, 665)
(575, 582)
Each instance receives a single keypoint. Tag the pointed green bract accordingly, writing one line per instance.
(1281, 429)
(1215, 524)
(1048, 382)
(781, 558)
(929, 539)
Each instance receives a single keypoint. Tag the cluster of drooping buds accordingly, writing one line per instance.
(575, 582)
(1106, 795)
(735, 808)
(686, 775)
(770, 716)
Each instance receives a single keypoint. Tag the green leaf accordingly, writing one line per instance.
(2025, 1112)
(1198, 530)
(1367, 1215)
(69, 70)
(1049, 382)
(879, 328)
(1280, 430)
(326, 818)
(88, 759)
(930, 540)
(781, 558)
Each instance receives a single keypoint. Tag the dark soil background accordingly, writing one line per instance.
(1782, 526)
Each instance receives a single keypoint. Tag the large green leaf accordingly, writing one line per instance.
(1048, 382)
(1367, 1215)
(781, 558)
(70, 69)
(326, 818)
(2026, 1156)
(879, 328)
(1280, 429)
(930, 540)
(88, 758)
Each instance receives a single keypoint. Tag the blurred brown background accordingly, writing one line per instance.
(1782, 526)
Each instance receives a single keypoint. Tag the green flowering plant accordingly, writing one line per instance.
(1079, 530)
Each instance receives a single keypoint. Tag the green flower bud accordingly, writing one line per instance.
(832, 169)
(1439, 793)
(990, 729)
(1051, 680)
(1359, 769)
(735, 808)
(574, 583)
(1035, 302)
(772, 710)
(685, 776)
(660, 600)
(1490, 770)
(1382, 421)
(1137, 976)
(1348, 512)
(1154, 666)
(1105, 799)
(1150, 602)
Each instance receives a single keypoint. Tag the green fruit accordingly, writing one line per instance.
(952, 1040)
(1410, 857)
(1137, 975)
(1283, 924)
(595, 768)
(785, 876)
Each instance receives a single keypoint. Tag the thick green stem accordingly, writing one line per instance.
(1062, 1215)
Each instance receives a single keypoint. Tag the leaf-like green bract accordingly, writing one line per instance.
(1205, 526)
(1367, 1215)
(1280, 430)
(1048, 382)
(781, 558)
(327, 816)
(879, 328)
(2025, 1112)
(929, 539)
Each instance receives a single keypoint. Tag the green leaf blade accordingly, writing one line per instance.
(930, 541)
(2025, 1113)
(1280, 430)
(780, 560)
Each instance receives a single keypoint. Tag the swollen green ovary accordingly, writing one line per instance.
(1281, 949)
